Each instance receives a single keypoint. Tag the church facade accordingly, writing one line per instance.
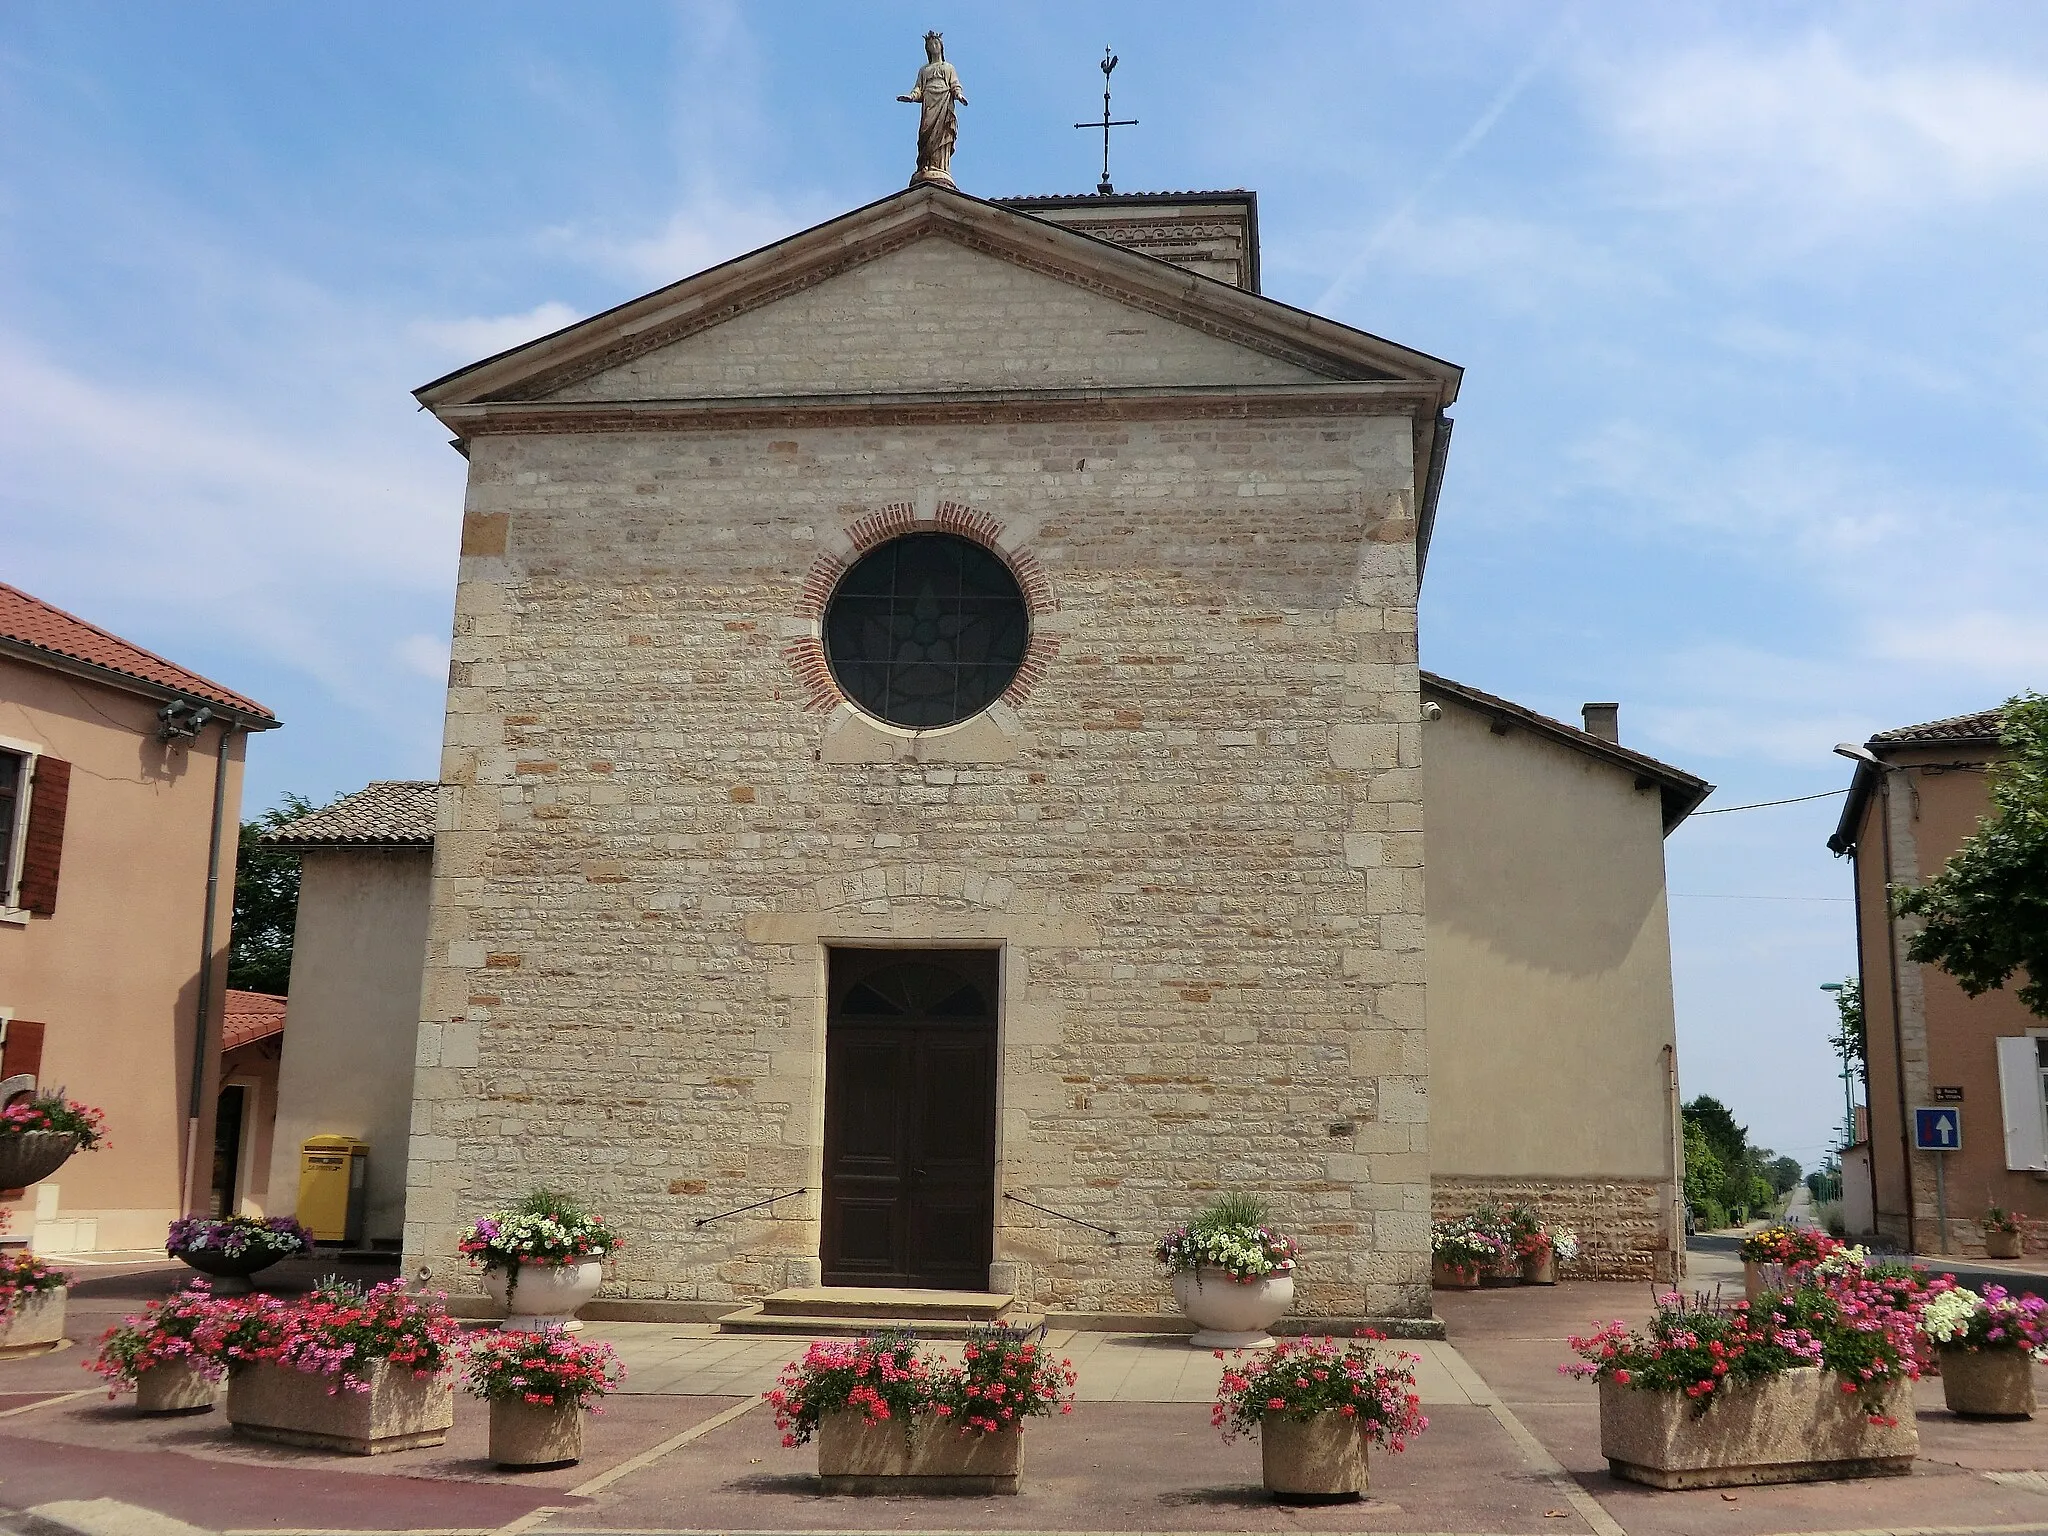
(934, 745)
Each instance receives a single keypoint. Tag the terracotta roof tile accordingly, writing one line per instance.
(388, 812)
(1984, 725)
(251, 1016)
(31, 622)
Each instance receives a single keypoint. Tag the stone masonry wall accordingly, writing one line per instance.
(1198, 842)
(1623, 1228)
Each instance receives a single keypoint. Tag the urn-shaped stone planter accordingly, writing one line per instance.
(229, 1272)
(1796, 1427)
(2002, 1245)
(1540, 1268)
(400, 1412)
(1446, 1276)
(36, 1324)
(1319, 1460)
(534, 1435)
(1988, 1383)
(174, 1388)
(544, 1294)
(1232, 1314)
(857, 1457)
(32, 1156)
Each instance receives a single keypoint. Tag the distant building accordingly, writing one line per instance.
(1984, 1059)
(120, 794)
(366, 864)
(251, 1042)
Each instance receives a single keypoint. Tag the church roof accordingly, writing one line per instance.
(33, 630)
(1682, 791)
(387, 813)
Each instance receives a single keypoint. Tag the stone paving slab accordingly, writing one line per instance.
(1110, 1466)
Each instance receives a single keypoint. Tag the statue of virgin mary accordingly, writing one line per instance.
(938, 126)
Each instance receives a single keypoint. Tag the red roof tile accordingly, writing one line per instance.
(251, 1016)
(31, 622)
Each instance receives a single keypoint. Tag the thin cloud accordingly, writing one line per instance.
(486, 336)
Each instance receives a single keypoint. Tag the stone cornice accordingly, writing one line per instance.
(953, 408)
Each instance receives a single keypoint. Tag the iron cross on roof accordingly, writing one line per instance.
(1107, 123)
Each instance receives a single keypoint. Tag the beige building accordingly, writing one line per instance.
(1552, 1040)
(365, 864)
(120, 787)
(1918, 793)
(934, 741)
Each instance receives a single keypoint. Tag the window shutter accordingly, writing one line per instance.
(21, 1053)
(43, 847)
(2019, 1094)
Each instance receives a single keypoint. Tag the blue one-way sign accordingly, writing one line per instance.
(1938, 1129)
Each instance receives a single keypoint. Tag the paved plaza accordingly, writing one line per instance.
(1512, 1450)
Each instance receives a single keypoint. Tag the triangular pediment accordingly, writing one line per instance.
(932, 292)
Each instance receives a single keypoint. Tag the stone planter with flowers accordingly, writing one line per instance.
(891, 1420)
(1460, 1253)
(171, 1354)
(1816, 1384)
(229, 1249)
(2003, 1234)
(1315, 1404)
(32, 1301)
(539, 1383)
(39, 1134)
(1233, 1274)
(348, 1369)
(1989, 1344)
(1775, 1256)
(542, 1259)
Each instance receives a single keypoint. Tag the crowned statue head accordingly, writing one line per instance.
(935, 46)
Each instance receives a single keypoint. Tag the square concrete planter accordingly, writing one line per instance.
(37, 1324)
(1320, 1460)
(534, 1435)
(400, 1412)
(174, 1389)
(1445, 1276)
(1988, 1383)
(855, 1456)
(2001, 1245)
(1796, 1428)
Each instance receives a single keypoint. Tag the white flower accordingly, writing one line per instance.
(1946, 1317)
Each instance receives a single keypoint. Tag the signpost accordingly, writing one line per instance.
(1939, 1128)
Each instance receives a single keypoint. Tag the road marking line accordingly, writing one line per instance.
(529, 1520)
(49, 1402)
(647, 1458)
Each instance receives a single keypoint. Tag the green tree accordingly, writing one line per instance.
(1986, 913)
(1851, 1041)
(266, 903)
(1783, 1173)
(1703, 1176)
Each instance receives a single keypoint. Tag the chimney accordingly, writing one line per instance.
(1603, 720)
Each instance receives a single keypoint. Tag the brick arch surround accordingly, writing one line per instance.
(806, 656)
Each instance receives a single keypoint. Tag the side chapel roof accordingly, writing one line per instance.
(387, 813)
(1682, 792)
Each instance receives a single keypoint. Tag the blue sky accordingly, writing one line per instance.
(1749, 299)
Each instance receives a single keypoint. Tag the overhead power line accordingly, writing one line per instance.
(1758, 805)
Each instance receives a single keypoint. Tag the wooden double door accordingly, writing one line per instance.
(910, 1118)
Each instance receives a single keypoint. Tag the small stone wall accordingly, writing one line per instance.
(1622, 1226)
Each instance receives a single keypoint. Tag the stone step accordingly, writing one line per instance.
(753, 1319)
(865, 1302)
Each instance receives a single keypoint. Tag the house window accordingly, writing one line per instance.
(13, 789)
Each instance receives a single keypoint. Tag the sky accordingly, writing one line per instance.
(1749, 300)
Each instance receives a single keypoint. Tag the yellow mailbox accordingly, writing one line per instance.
(332, 1173)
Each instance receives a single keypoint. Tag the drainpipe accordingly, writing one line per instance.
(199, 1032)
